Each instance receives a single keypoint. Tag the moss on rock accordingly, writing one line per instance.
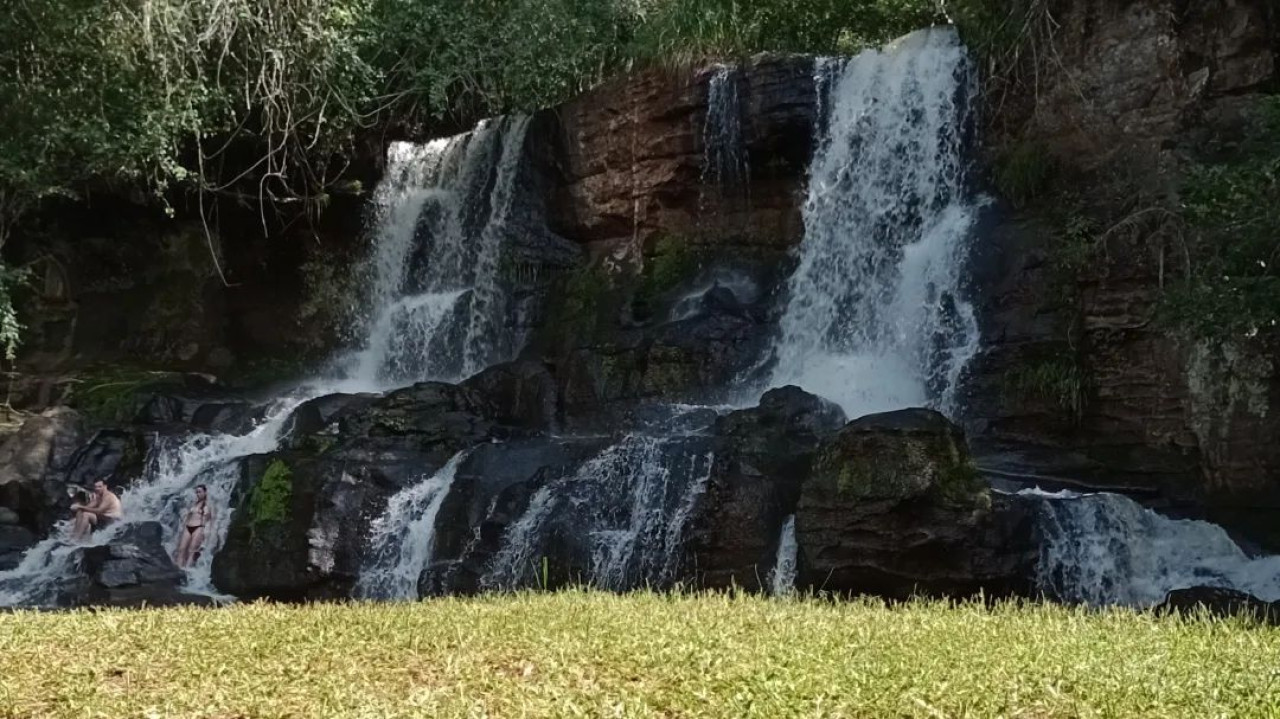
(899, 456)
(272, 495)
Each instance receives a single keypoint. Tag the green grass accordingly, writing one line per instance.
(586, 654)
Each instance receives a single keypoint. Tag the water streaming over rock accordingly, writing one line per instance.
(437, 305)
(782, 580)
(434, 310)
(875, 317)
(724, 162)
(1104, 549)
(627, 508)
(175, 466)
(402, 538)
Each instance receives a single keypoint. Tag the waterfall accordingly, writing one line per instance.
(441, 317)
(434, 311)
(875, 317)
(724, 162)
(782, 580)
(403, 537)
(630, 505)
(1104, 549)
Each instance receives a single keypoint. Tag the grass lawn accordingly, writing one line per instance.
(589, 654)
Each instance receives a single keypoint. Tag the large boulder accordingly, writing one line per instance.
(306, 510)
(524, 393)
(894, 507)
(431, 417)
(300, 528)
(42, 449)
(133, 569)
(763, 457)
(1219, 602)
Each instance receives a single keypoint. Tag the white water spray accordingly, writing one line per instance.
(875, 318)
(402, 539)
(1104, 549)
(782, 580)
(633, 502)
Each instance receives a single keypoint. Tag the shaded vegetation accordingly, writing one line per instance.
(641, 655)
(1230, 285)
(1058, 382)
(154, 92)
(112, 395)
(672, 260)
(1022, 172)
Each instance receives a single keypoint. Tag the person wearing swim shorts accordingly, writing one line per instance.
(103, 509)
(197, 519)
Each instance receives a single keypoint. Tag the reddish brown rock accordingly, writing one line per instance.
(1138, 89)
(632, 158)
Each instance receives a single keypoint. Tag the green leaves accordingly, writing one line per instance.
(1233, 289)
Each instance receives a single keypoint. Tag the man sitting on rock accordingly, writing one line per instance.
(97, 514)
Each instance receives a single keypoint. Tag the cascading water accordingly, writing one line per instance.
(434, 311)
(782, 580)
(403, 537)
(1104, 549)
(631, 503)
(454, 198)
(875, 319)
(174, 468)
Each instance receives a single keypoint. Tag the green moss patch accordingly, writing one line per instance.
(271, 497)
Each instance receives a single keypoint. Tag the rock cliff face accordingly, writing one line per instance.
(633, 154)
(672, 299)
(1138, 90)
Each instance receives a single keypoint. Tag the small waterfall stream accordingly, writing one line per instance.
(174, 468)
(724, 162)
(402, 538)
(631, 505)
(782, 580)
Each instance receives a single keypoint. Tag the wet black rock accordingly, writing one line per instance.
(895, 507)
(763, 457)
(524, 393)
(33, 464)
(134, 569)
(15, 540)
(1220, 602)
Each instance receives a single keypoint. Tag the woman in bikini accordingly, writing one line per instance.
(198, 517)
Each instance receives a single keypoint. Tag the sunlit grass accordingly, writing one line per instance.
(589, 654)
